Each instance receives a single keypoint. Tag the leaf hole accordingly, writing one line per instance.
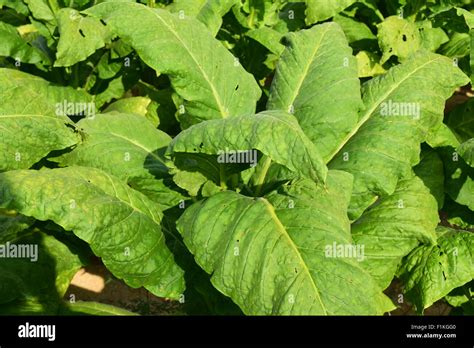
(82, 33)
(103, 22)
(404, 37)
(236, 87)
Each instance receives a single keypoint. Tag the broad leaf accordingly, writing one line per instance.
(431, 171)
(121, 225)
(431, 38)
(125, 145)
(206, 75)
(461, 122)
(275, 133)
(368, 64)
(320, 10)
(317, 81)
(458, 215)
(136, 105)
(42, 10)
(394, 226)
(269, 38)
(13, 45)
(270, 255)
(431, 272)
(402, 107)
(209, 12)
(79, 37)
(357, 33)
(129, 147)
(398, 37)
(29, 131)
(459, 177)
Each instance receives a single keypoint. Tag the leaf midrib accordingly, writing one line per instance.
(310, 63)
(222, 110)
(284, 232)
(369, 112)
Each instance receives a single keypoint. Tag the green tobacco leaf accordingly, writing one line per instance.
(121, 225)
(210, 80)
(457, 46)
(459, 177)
(29, 131)
(402, 107)
(461, 296)
(93, 308)
(320, 10)
(136, 105)
(129, 147)
(274, 256)
(191, 171)
(358, 33)
(43, 11)
(430, 272)
(461, 122)
(466, 150)
(13, 45)
(269, 38)
(368, 64)
(274, 133)
(398, 37)
(431, 171)
(209, 12)
(43, 97)
(317, 81)
(431, 38)
(36, 287)
(458, 215)
(253, 14)
(125, 145)
(18, 6)
(79, 37)
(442, 137)
(395, 226)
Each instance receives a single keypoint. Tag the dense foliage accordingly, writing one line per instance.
(238, 156)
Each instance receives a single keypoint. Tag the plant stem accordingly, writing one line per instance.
(235, 180)
(262, 174)
(222, 177)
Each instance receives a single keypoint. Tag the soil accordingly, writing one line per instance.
(96, 283)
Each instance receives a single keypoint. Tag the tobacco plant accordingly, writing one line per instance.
(240, 157)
